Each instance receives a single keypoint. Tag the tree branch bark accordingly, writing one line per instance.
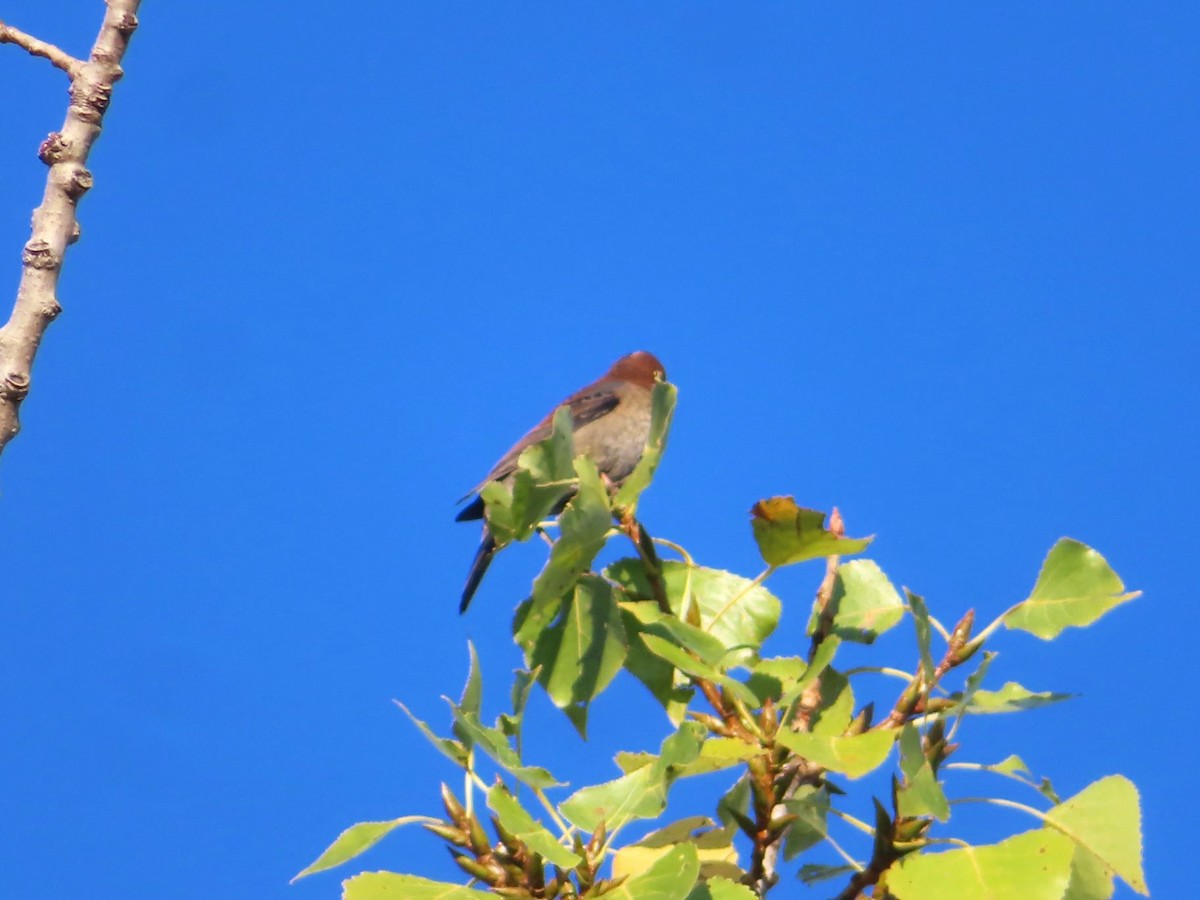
(27, 42)
(55, 225)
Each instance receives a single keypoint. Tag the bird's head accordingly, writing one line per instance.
(639, 368)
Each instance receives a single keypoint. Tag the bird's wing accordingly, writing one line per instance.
(586, 406)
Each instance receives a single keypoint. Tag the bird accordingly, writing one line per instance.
(610, 419)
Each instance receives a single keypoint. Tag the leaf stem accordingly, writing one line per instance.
(850, 860)
(881, 670)
(980, 767)
(563, 826)
(941, 629)
(851, 820)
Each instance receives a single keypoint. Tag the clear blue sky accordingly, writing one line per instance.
(934, 265)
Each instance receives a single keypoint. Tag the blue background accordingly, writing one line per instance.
(934, 265)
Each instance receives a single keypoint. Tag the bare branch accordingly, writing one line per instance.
(57, 56)
(54, 222)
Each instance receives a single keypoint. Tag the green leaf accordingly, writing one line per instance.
(920, 614)
(1035, 865)
(1075, 588)
(852, 756)
(1090, 878)
(773, 677)
(494, 743)
(835, 706)
(863, 604)
(732, 609)
(723, 751)
(921, 794)
(787, 533)
(390, 886)
(710, 649)
(453, 750)
(716, 754)
(735, 802)
(816, 667)
(543, 478)
(690, 665)
(721, 889)
(813, 873)
(642, 794)
(971, 688)
(472, 696)
(355, 840)
(580, 654)
(714, 846)
(810, 805)
(1105, 818)
(521, 824)
(658, 675)
(1010, 765)
(676, 832)
(662, 409)
(1012, 698)
(583, 528)
(638, 795)
(671, 877)
(522, 686)
(1014, 767)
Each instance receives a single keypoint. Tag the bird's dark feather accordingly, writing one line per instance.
(479, 565)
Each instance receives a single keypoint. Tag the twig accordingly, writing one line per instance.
(55, 225)
(913, 698)
(765, 858)
(57, 56)
(649, 556)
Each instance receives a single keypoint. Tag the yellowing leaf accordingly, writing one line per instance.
(635, 859)
(787, 533)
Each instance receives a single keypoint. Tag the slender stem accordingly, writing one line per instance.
(880, 670)
(58, 58)
(979, 767)
(476, 782)
(1010, 804)
(758, 580)
(940, 628)
(954, 842)
(850, 860)
(566, 829)
(468, 783)
(851, 820)
(687, 557)
(994, 624)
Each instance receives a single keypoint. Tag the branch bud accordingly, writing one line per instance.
(455, 836)
(39, 255)
(454, 809)
(475, 869)
(54, 148)
(480, 842)
(961, 632)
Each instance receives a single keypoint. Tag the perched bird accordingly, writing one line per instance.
(611, 421)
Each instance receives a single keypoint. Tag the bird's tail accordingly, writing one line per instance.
(479, 565)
